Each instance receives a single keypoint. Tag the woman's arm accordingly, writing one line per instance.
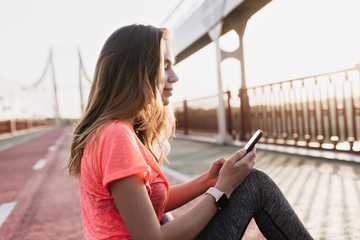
(183, 193)
(138, 214)
(136, 210)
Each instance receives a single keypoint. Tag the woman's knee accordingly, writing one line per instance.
(251, 184)
(259, 180)
(258, 175)
(254, 184)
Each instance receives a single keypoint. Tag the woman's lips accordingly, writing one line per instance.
(168, 92)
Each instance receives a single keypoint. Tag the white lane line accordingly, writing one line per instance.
(39, 164)
(60, 140)
(5, 210)
(52, 148)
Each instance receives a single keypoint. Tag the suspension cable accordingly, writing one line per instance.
(83, 68)
(42, 75)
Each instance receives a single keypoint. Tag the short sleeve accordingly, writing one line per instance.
(120, 155)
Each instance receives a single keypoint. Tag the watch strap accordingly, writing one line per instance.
(221, 199)
(216, 193)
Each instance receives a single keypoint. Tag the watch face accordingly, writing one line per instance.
(223, 201)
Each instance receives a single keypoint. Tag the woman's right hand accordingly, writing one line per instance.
(235, 170)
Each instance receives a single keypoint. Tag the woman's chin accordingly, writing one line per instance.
(165, 101)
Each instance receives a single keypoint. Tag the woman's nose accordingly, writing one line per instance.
(173, 78)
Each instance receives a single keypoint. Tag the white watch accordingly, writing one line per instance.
(216, 193)
(221, 199)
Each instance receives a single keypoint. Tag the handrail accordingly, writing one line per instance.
(11, 126)
(319, 111)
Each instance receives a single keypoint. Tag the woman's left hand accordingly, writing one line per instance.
(213, 172)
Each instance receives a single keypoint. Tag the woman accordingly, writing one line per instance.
(123, 136)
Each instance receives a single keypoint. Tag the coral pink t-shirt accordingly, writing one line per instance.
(117, 153)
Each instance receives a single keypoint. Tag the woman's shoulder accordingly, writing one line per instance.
(117, 128)
(116, 131)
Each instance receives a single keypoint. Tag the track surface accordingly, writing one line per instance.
(45, 202)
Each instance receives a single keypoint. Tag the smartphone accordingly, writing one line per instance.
(253, 140)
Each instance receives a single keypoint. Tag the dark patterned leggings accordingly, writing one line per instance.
(260, 198)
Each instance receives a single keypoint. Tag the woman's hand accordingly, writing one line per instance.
(213, 172)
(235, 170)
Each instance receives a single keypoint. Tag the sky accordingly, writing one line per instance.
(284, 40)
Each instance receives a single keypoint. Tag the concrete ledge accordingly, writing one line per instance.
(197, 138)
(323, 154)
(10, 140)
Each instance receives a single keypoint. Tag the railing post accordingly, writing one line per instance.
(228, 115)
(186, 118)
(355, 108)
(29, 123)
(245, 114)
(12, 126)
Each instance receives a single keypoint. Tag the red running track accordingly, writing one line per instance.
(47, 200)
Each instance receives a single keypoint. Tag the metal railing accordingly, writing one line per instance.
(319, 111)
(11, 126)
(197, 116)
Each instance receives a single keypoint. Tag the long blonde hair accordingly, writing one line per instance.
(127, 85)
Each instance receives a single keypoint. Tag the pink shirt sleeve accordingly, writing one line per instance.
(120, 155)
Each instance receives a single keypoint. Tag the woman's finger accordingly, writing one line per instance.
(237, 155)
(220, 162)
